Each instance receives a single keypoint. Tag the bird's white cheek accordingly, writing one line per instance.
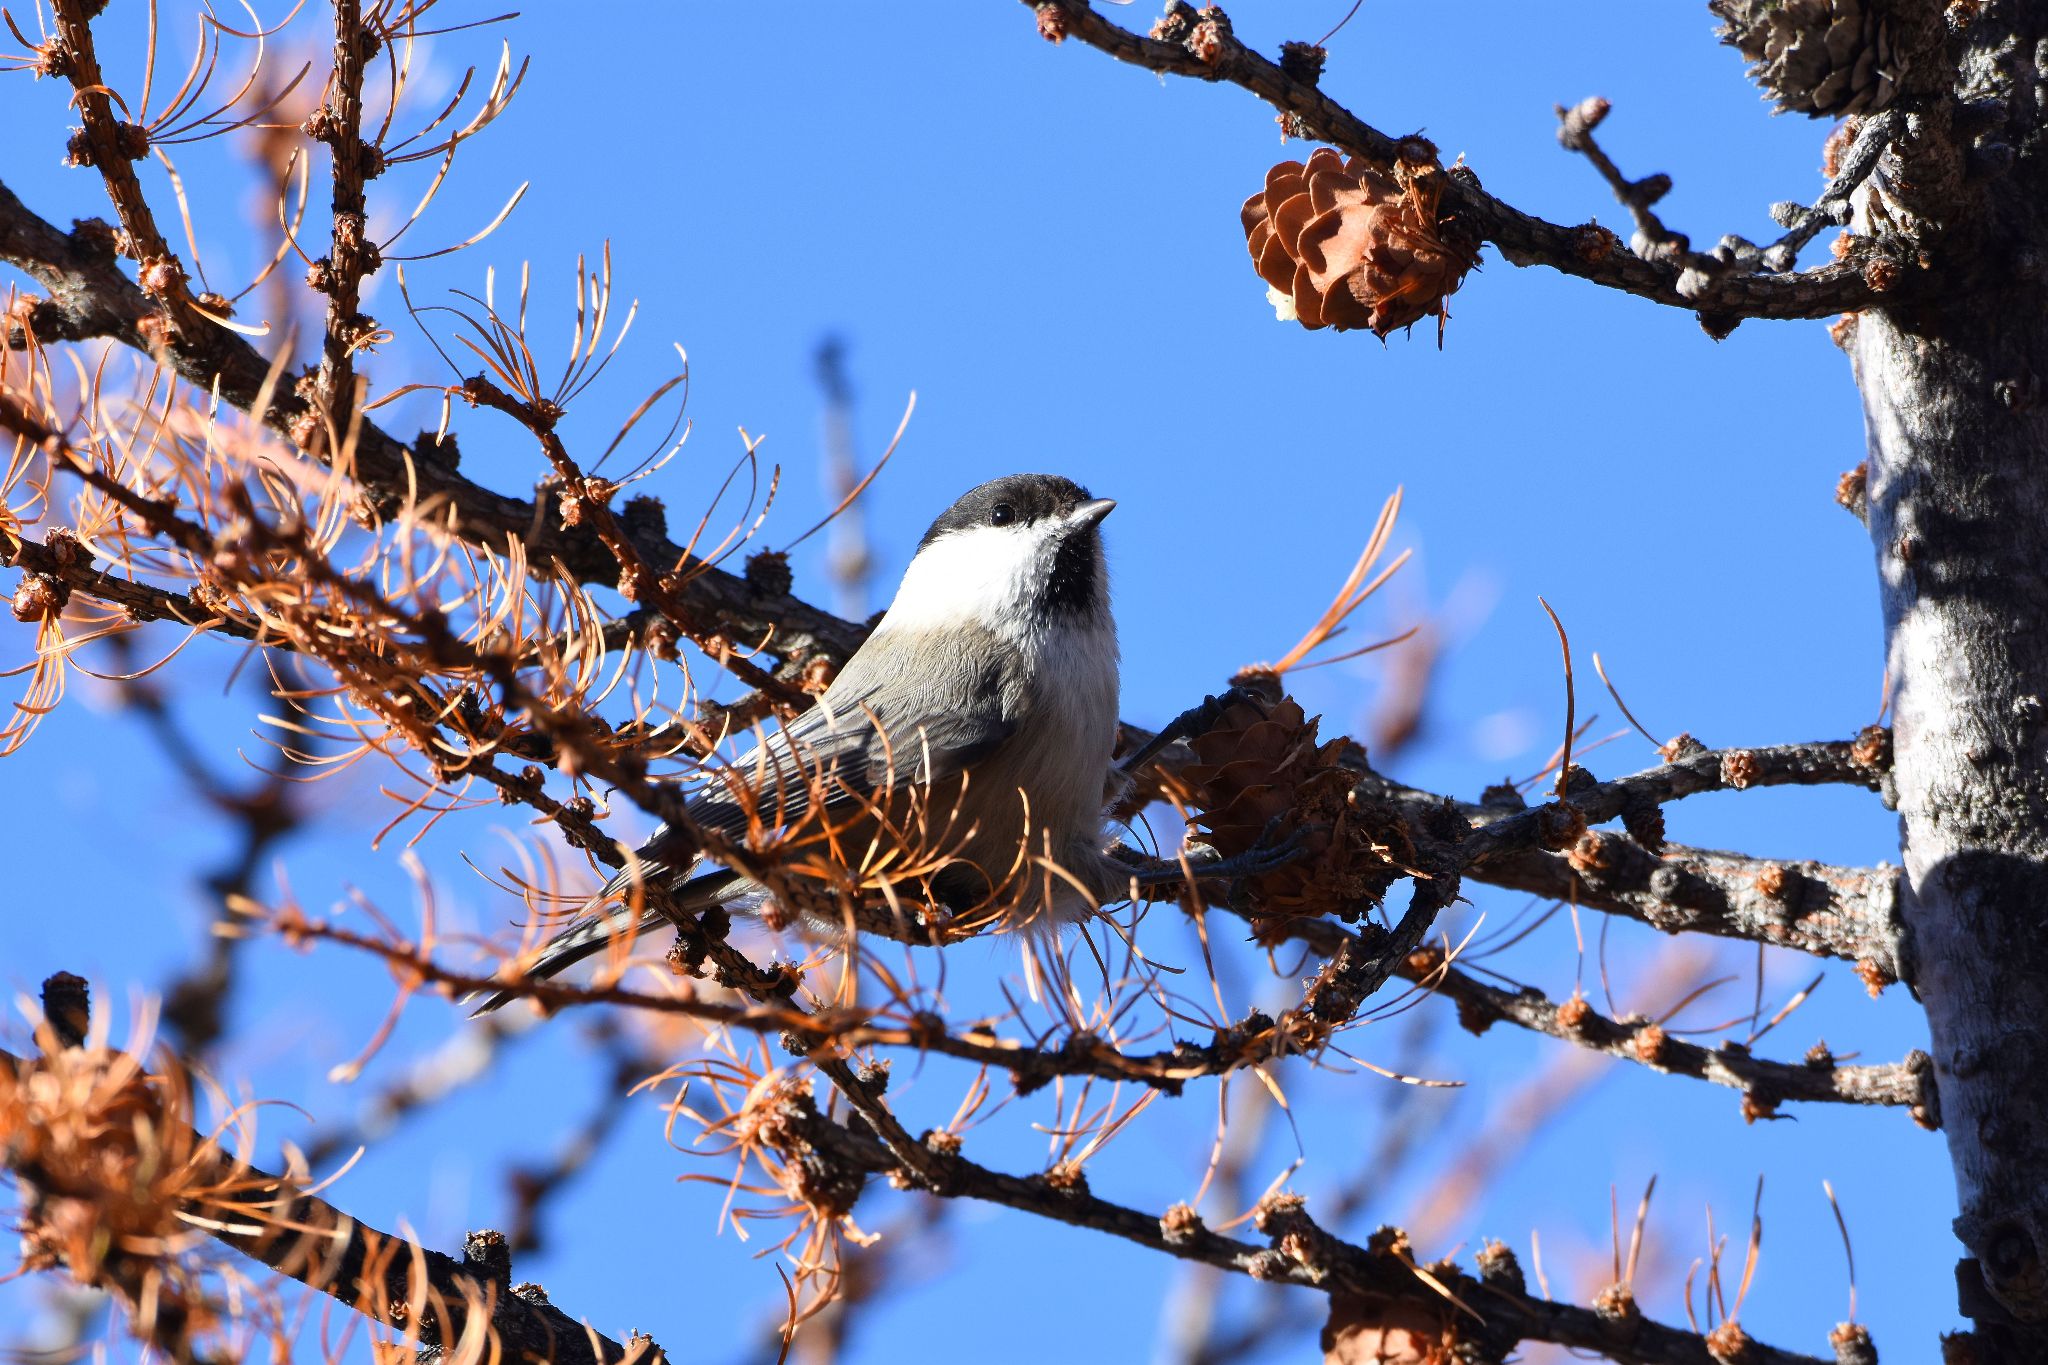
(979, 576)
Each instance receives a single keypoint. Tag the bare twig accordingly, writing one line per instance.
(1700, 274)
(463, 1058)
(112, 146)
(1254, 1041)
(1653, 241)
(1908, 1083)
(535, 1186)
(1872, 137)
(1822, 763)
(198, 1000)
(1764, 1084)
(851, 561)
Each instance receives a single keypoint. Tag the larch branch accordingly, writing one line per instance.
(1300, 1254)
(1764, 1084)
(352, 256)
(1850, 913)
(1207, 50)
(63, 558)
(1908, 1083)
(112, 146)
(90, 296)
(1856, 762)
(378, 1274)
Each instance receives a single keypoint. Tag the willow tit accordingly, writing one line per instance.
(985, 699)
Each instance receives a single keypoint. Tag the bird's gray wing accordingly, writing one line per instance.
(870, 731)
(861, 738)
(847, 749)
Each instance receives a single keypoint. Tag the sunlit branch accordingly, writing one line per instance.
(638, 580)
(351, 255)
(1851, 913)
(89, 296)
(1300, 1253)
(389, 1278)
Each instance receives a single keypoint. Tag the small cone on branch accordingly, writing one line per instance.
(1260, 778)
(1371, 1331)
(1347, 244)
(1826, 58)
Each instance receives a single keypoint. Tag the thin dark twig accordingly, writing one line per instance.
(1764, 1084)
(1873, 137)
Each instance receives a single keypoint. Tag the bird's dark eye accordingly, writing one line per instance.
(1002, 514)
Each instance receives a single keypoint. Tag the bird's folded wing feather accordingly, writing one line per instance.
(859, 740)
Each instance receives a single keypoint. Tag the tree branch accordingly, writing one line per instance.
(382, 1276)
(63, 558)
(835, 1031)
(89, 296)
(1301, 1253)
(1908, 1083)
(1858, 762)
(112, 146)
(1850, 913)
(352, 256)
(1201, 45)
(1551, 851)
(1764, 1084)
(1701, 272)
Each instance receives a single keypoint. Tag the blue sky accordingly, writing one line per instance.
(1044, 246)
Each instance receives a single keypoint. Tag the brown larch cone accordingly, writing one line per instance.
(1820, 57)
(1260, 777)
(1379, 1331)
(1347, 244)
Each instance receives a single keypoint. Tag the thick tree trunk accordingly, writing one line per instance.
(1957, 420)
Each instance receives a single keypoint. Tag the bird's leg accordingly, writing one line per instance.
(1192, 723)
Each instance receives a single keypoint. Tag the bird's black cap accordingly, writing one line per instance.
(1014, 499)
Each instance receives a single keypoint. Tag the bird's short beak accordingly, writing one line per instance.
(1090, 513)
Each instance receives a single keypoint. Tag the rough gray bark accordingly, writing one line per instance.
(1958, 512)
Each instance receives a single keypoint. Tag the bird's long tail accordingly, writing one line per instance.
(607, 918)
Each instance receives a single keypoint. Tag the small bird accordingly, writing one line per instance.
(985, 701)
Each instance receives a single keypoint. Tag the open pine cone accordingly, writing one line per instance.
(1383, 1331)
(1826, 58)
(1260, 777)
(1350, 244)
